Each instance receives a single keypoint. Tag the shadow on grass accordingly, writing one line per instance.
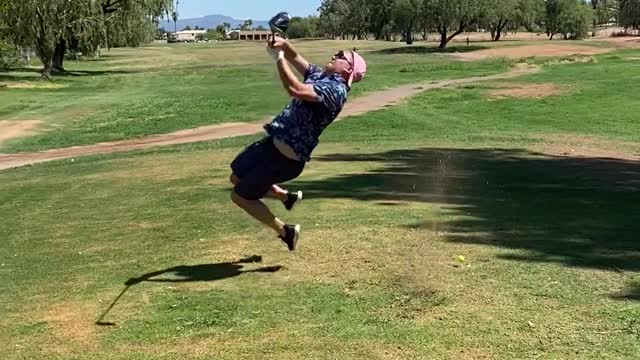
(205, 272)
(13, 74)
(191, 273)
(581, 212)
(631, 293)
(429, 50)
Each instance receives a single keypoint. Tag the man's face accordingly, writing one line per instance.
(341, 63)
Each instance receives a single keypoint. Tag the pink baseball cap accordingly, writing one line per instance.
(359, 68)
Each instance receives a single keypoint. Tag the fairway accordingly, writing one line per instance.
(535, 180)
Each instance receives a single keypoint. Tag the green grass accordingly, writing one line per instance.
(161, 89)
(392, 197)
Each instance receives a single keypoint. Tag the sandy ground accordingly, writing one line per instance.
(17, 128)
(543, 50)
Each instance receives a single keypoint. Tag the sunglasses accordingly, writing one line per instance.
(340, 55)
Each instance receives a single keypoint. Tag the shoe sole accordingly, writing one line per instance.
(296, 236)
(299, 194)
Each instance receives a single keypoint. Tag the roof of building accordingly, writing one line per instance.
(191, 32)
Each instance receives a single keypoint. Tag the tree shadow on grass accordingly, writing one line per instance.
(581, 212)
(429, 50)
(14, 76)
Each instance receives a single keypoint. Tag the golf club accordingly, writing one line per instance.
(279, 24)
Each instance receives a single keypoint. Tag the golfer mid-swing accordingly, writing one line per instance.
(292, 135)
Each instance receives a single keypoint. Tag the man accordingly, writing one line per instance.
(294, 134)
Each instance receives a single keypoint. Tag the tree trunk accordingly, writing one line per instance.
(501, 27)
(445, 40)
(46, 57)
(409, 37)
(443, 37)
(58, 56)
(551, 36)
(493, 33)
(44, 51)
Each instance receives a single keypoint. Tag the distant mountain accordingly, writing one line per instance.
(209, 22)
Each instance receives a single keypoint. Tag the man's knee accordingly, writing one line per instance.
(234, 179)
(236, 198)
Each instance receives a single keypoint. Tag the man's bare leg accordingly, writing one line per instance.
(259, 211)
(276, 192)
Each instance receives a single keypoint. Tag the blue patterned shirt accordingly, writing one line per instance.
(302, 122)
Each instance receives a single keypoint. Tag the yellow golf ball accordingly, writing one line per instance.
(460, 259)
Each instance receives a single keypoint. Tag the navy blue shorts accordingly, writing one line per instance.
(260, 166)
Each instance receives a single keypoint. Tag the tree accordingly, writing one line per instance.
(218, 33)
(356, 18)
(425, 22)
(405, 14)
(161, 33)
(261, 28)
(630, 14)
(345, 18)
(247, 25)
(452, 17)
(530, 14)
(52, 27)
(497, 14)
(187, 28)
(174, 17)
(330, 17)
(9, 53)
(604, 12)
(227, 26)
(303, 27)
(5, 5)
(380, 17)
(570, 18)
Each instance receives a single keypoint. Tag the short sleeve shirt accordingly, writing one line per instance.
(301, 123)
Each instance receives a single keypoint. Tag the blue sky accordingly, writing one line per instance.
(247, 9)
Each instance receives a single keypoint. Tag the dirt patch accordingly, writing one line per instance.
(627, 42)
(70, 327)
(362, 105)
(523, 90)
(586, 146)
(15, 129)
(517, 52)
(32, 85)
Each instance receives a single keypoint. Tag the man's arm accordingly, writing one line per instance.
(292, 55)
(295, 87)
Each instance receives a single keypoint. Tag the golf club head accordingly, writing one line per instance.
(280, 23)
